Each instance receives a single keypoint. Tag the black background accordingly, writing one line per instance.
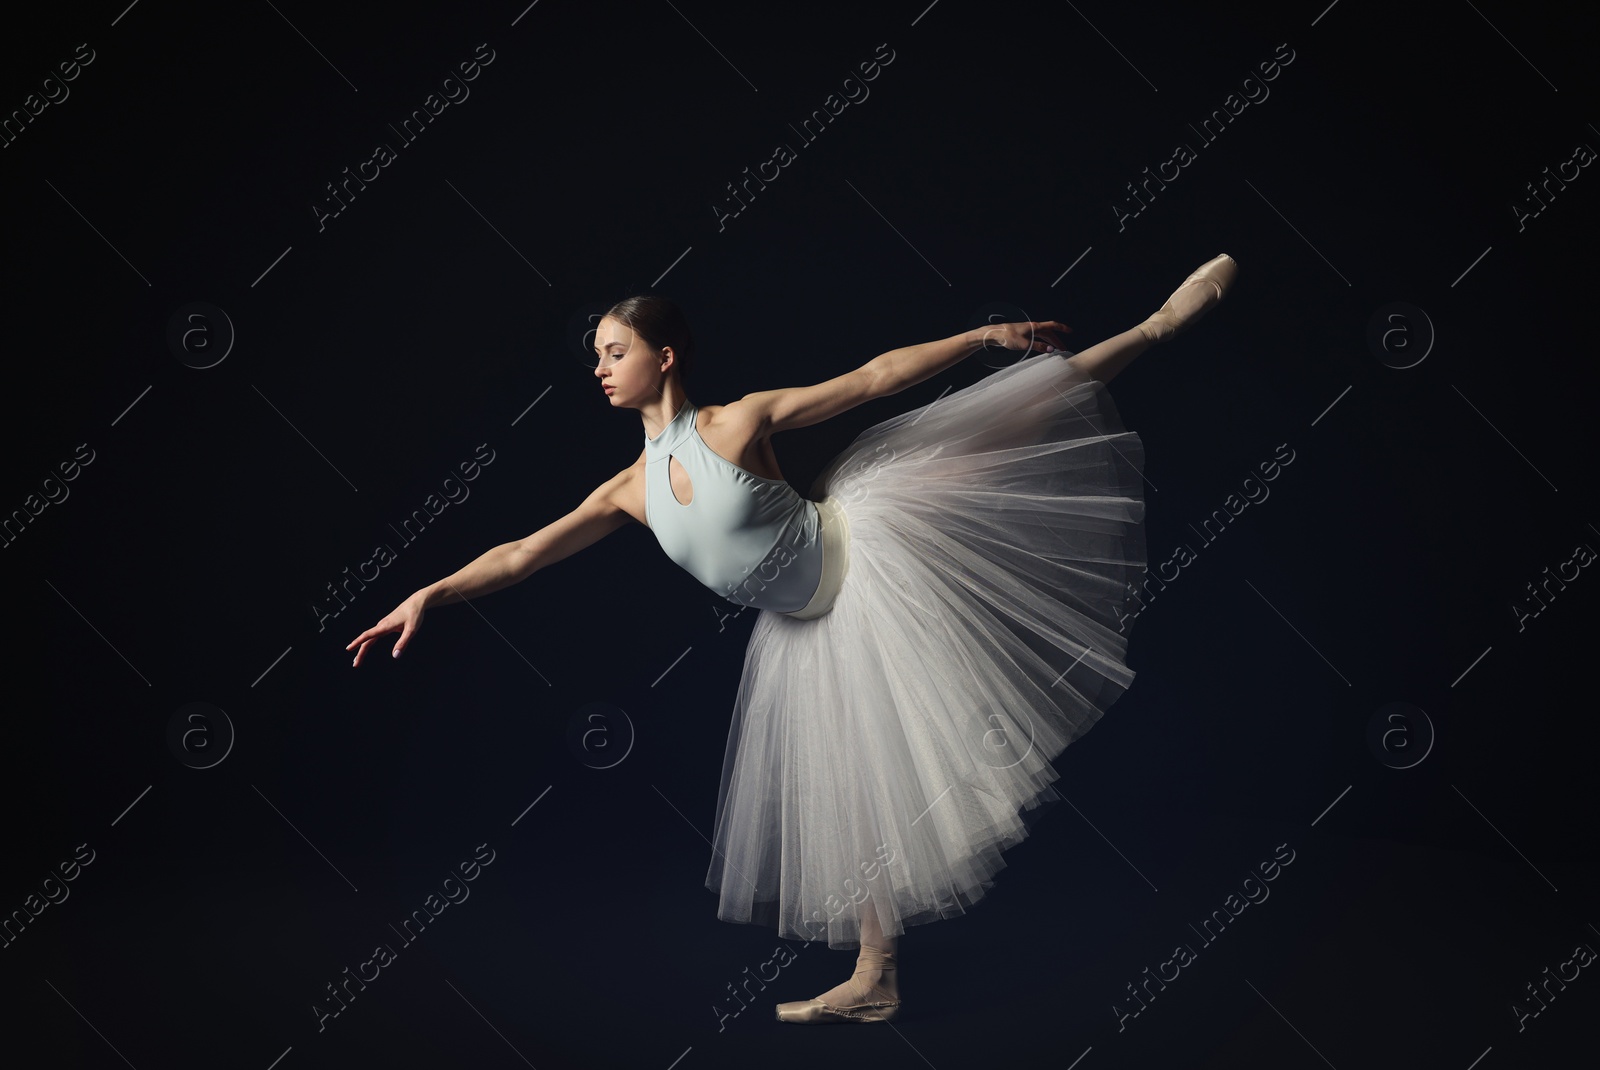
(375, 354)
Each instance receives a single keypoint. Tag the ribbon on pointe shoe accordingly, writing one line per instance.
(1179, 313)
(816, 1012)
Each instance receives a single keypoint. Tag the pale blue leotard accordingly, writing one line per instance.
(750, 539)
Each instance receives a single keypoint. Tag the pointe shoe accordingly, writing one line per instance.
(816, 1012)
(1210, 281)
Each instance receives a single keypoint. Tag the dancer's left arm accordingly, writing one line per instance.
(891, 372)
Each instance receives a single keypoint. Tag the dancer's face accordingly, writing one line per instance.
(627, 363)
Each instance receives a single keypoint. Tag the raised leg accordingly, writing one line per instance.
(1204, 287)
(1104, 360)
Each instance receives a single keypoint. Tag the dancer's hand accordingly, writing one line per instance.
(1033, 336)
(406, 619)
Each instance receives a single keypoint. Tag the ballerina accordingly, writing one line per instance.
(940, 619)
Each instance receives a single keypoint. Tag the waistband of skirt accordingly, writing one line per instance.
(834, 529)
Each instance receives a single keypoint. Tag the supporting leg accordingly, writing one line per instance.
(875, 978)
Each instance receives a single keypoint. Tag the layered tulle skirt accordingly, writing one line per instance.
(893, 747)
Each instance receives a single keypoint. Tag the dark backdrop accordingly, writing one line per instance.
(225, 388)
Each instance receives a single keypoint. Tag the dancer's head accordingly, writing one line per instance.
(642, 342)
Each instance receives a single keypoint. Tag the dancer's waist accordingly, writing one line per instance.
(834, 531)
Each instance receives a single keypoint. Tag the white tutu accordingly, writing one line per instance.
(890, 747)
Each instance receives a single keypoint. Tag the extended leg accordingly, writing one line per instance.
(1204, 287)
(1103, 360)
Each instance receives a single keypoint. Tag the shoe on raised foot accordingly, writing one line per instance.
(1204, 288)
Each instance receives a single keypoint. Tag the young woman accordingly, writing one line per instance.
(943, 619)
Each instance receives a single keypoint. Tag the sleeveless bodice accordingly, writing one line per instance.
(750, 539)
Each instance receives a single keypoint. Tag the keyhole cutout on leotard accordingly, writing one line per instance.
(678, 476)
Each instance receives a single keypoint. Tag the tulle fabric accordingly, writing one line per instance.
(893, 747)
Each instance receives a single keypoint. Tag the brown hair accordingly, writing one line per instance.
(661, 323)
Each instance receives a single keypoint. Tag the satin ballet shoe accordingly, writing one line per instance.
(817, 1012)
(1204, 288)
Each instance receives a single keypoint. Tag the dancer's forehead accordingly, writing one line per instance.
(611, 332)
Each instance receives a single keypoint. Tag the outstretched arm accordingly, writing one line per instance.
(597, 516)
(889, 373)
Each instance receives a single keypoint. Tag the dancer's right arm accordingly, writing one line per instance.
(597, 516)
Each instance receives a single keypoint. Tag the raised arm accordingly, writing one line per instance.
(887, 373)
(596, 517)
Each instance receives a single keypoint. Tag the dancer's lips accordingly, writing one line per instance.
(609, 389)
